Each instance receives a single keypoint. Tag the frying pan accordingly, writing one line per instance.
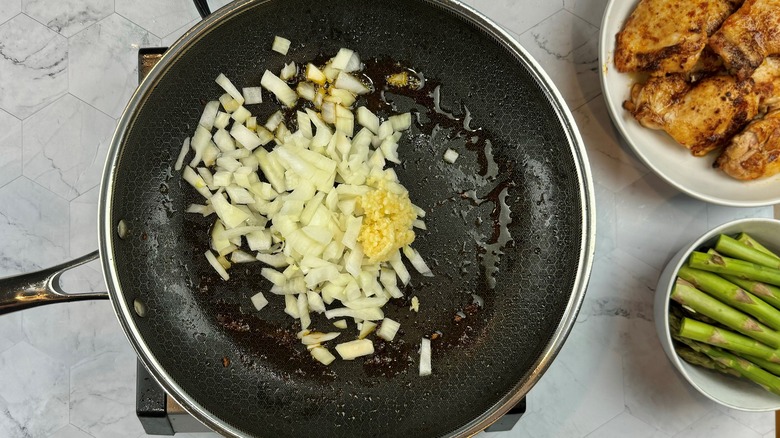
(243, 373)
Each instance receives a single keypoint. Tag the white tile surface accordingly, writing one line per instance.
(717, 423)
(68, 372)
(102, 387)
(760, 422)
(517, 15)
(33, 66)
(624, 425)
(65, 146)
(10, 147)
(104, 62)
(159, 18)
(33, 393)
(9, 8)
(570, 58)
(590, 10)
(67, 16)
(32, 217)
(70, 333)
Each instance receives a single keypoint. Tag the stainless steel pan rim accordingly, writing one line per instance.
(107, 230)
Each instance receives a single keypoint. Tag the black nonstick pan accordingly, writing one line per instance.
(510, 229)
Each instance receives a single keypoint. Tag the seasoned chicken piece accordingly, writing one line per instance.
(766, 81)
(748, 36)
(668, 36)
(701, 116)
(755, 152)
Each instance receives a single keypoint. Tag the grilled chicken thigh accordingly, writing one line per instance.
(668, 36)
(755, 152)
(704, 115)
(701, 116)
(748, 36)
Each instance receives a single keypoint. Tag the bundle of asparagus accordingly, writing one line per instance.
(727, 312)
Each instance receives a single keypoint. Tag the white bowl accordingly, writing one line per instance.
(726, 390)
(672, 162)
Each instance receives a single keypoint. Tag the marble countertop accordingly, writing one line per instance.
(67, 68)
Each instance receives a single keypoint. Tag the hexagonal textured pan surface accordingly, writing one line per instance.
(243, 372)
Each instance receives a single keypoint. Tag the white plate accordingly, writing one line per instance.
(672, 162)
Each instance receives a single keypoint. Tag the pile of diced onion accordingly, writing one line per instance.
(302, 218)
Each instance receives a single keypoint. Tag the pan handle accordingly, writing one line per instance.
(203, 8)
(42, 287)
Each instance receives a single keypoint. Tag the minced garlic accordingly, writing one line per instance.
(387, 223)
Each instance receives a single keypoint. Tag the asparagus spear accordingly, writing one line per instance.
(693, 357)
(699, 331)
(729, 266)
(731, 294)
(767, 292)
(744, 367)
(687, 295)
(765, 364)
(753, 243)
(734, 248)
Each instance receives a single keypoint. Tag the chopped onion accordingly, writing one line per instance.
(303, 311)
(417, 261)
(217, 266)
(228, 103)
(342, 324)
(366, 328)
(315, 302)
(196, 181)
(399, 268)
(199, 143)
(204, 210)
(231, 215)
(354, 349)
(341, 60)
(252, 95)
(185, 148)
(209, 114)
(281, 45)
(239, 256)
(478, 300)
(306, 90)
(425, 357)
(368, 119)
(245, 136)
(388, 329)
(259, 301)
(354, 63)
(318, 338)
(323, 355)
(291, 305)
(343, 97)
(279, 88)
(385, 130)
(315, 75)
(288, 71)
(274, 276)
(275, 260)
(370, 314)
(224, 141)
(222, 120)
(346, 81)
(450, 156)
(241, 114)
(231, 89)
(401, 122)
